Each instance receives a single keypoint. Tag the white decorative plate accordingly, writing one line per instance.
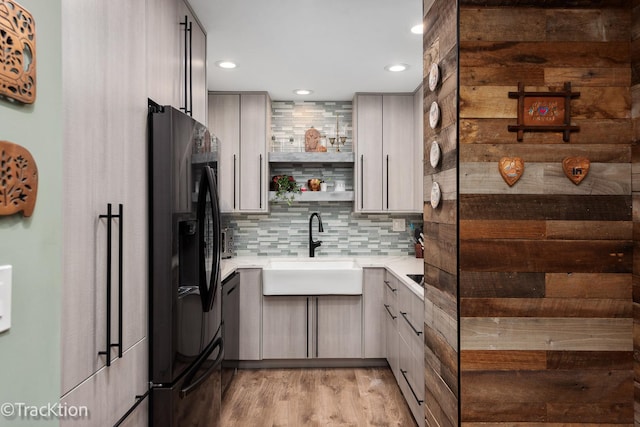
(435, 195)
(434, 76)
(434, 154)
(434, 115)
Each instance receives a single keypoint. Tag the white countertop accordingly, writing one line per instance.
(399, 266)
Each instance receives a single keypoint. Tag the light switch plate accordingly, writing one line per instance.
(398, 224)
(5, 297)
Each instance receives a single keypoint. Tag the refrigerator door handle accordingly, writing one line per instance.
(191, 384)
(209, 284)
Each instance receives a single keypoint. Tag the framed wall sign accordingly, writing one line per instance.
(544, 111)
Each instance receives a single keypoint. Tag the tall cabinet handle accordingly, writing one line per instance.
(361, 181)
(186, 58)
(108, 344)
(387, 182)
(190, 70)
(260, 183)
(234, 182)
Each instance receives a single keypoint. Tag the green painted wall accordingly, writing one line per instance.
(30, 350)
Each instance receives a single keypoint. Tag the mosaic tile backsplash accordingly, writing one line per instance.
(285, 230)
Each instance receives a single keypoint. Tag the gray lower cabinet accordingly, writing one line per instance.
(339, 327)
(250, 319)
(300, 327)
(390, 312)
(285, 325)
(373, 334)
(411, 344)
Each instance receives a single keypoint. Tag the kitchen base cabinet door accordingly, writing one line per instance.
(339, 327)
(391, 338)
(285, 324)
(111, 392)
(250, 321)
(374, 320)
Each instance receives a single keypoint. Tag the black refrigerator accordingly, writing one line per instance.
(186, 347)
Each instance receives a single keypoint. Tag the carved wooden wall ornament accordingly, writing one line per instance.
(511, 169)
(576, 168)
(18, 180)
(544, 111)
(18, 52)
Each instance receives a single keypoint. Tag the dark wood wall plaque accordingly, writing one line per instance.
(544, 111)
(18, 58)
(18, 179)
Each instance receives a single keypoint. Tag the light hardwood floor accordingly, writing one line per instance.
(315, 397)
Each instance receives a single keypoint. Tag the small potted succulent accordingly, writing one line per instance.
(285, 187)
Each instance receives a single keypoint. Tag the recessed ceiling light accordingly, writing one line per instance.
(396, 67)
(226, 64)
(417, 29)
(303, 92)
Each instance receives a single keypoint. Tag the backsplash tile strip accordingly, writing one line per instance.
(285, 231)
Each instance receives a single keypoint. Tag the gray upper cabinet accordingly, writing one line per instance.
(388, 154)
(167, 67)
(193, 65)
(241, 121)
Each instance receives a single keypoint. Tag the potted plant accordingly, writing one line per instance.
(285, 187)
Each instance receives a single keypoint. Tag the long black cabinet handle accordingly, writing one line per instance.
(139, 399)
(386, 282)
(260, 184)
(190, 70)
(234, 181)
(361, 181)
(108, 344)
(415, 396)
(387, 182)
(417, 332)
(386, 306)
(185, 23)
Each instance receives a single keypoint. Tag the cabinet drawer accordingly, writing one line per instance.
(411, 374)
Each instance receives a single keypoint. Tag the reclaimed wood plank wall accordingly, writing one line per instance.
(545, 266)
(635, 118)
(441, 313)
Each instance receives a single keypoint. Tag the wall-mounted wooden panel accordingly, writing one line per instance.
(545, 280)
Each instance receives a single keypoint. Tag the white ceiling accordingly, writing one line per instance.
(333, 47)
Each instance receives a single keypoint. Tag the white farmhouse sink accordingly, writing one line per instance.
(312, 276)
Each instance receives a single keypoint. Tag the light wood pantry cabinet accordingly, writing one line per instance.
(192, 58)
(241, 121)
(388, 175)
(299, 327)
(105, 149)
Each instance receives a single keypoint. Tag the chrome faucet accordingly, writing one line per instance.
(313, 245)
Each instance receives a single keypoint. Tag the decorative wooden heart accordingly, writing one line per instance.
(18, 180)
(511, 169)
(576, 168)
